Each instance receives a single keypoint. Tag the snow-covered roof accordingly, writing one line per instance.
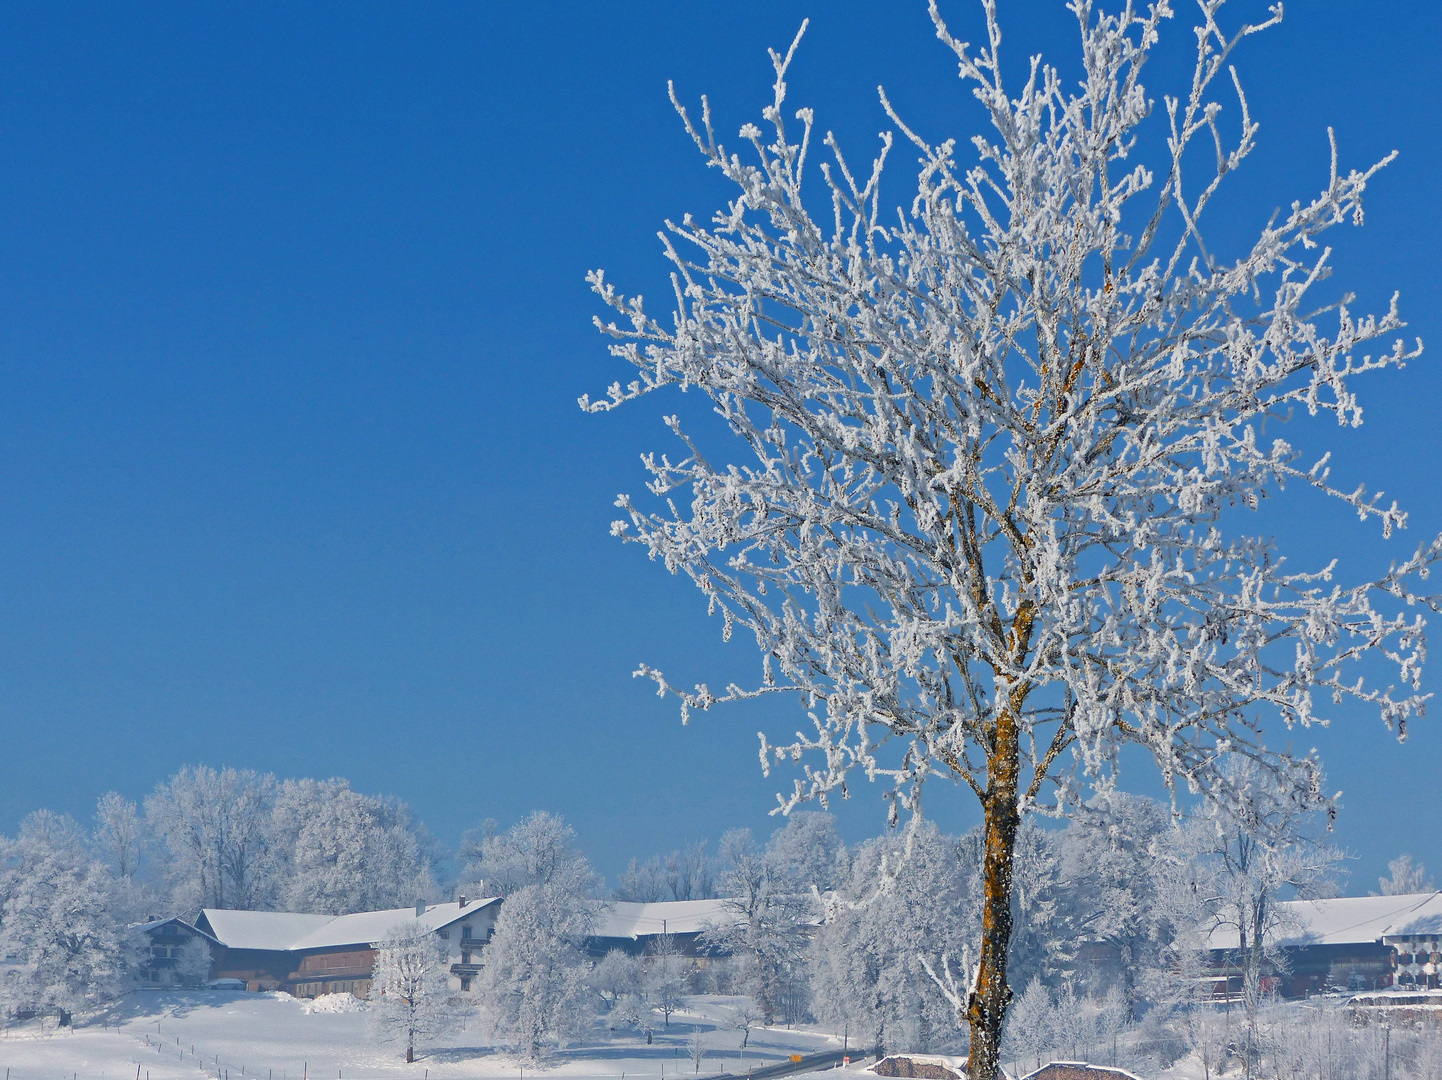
(288, 931)
(151, 925)
(1079, 1070)
(1349, 920)
(625, 919)
(366, 927)
(269, 930)
(894, 1065)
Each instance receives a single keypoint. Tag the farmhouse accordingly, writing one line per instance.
(164, 948)
(1347, 943)
(310, 955)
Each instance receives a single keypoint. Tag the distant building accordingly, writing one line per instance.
(310, 955)
(162, 948)
(1351, 943)
(635, 928)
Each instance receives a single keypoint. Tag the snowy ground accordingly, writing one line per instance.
(169, 1036)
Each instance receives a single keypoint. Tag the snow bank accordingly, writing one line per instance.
(334, 1003)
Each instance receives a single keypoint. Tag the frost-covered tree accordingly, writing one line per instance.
(1256, 854)
(534, 983)
(696, 1047)
(909, 899)
(410, 999)
(765, 917)
(217, 829)
(689, 874)
(744, 1016)
(995, 452)
(539, 850)
(44, 833)
(1111, 855)
(1248, 856)
(808, 850)
(119, 836)
(121, 841)
(1043, 903)
(58, 919)
(237, 838)
(631, 1013)
(615, 975)
(339, 851)
(685, 874)
(193, 965)
(1403, 877)
(665, 979)
(1029, 1028)
(1043, 1025)
(642, 882)
(1203, 1027)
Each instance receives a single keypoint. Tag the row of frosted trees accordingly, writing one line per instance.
(866, 939)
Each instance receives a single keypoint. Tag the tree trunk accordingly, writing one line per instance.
(988, 1002)
(1252, 982)
(1256, 952)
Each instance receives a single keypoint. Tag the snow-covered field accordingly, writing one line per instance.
(169, 1036)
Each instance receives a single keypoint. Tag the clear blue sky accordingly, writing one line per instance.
(292, 325)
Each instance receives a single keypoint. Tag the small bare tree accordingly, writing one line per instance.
(666, 976)
(744, 1017)
(696, 1047)
(995, 451)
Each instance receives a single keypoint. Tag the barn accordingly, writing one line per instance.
(1349, 943)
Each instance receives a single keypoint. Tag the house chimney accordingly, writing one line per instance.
(420, 908)
(462, 899)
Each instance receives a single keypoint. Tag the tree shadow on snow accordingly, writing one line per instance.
(455, 1054)
(153, 1005)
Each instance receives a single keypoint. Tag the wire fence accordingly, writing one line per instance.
(177, 1053)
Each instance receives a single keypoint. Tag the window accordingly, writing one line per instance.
(465, 982)
(466, 932)
(444, 935)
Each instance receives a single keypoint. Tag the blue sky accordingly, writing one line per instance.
(292, 326)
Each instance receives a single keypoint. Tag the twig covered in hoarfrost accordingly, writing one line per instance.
(994, 442)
